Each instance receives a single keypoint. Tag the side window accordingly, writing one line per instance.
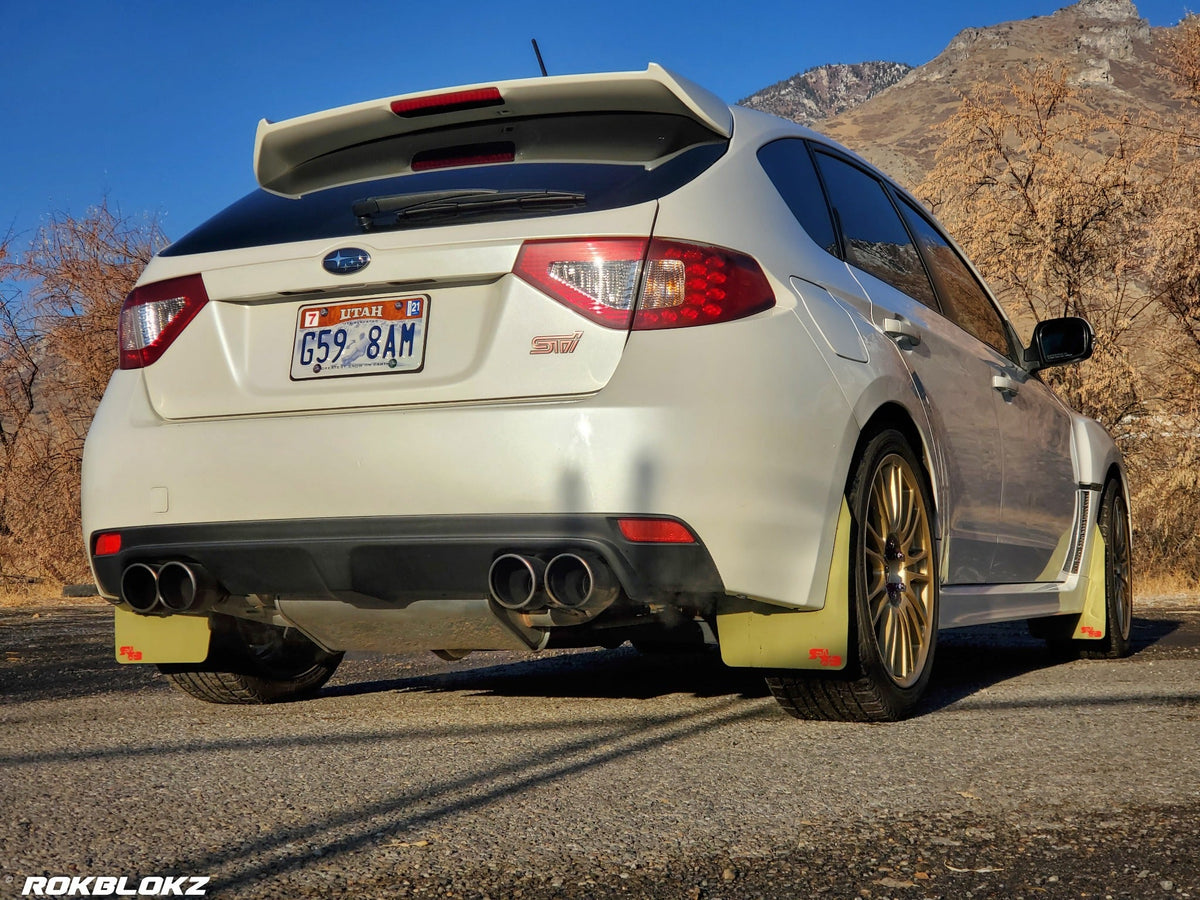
(964, 300)
(790, 168)
(876, 240)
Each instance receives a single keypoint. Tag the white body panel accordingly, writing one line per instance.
(737, 460)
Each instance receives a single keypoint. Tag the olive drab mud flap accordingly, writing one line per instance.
(160, 639)
(1093, 621)
(767, 637)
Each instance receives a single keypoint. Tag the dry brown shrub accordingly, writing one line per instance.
(59, 304)
(1181, 46)
(1068, 214)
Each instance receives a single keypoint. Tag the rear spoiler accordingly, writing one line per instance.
(284, 150)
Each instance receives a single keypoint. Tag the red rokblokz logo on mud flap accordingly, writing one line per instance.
(113, 886)
(826, 658)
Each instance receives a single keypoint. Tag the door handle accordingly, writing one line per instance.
(902, 331)
(1005, 385)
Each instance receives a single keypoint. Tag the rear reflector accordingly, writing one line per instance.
(108, 543)
(469, 155)
(154, 315)
(655, 531)
(681, 283)
(449, 102)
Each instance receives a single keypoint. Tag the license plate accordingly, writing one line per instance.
(362, 337)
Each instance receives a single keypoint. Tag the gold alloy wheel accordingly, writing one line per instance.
(899, 570)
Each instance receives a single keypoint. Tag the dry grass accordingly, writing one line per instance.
(40, 595)
(24, 595)
(1155, 590)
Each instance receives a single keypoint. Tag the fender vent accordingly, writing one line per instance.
(1081, 529)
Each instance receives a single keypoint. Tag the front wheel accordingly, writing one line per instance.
(894, 596)
(252, 662)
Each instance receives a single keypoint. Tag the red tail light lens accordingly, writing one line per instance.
(448, 102)
(675, 284)
(154, 315)
(695, 284)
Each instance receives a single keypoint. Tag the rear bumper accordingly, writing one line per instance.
(754, 464)
(403, 559)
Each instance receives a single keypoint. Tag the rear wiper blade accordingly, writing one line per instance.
(449, 204)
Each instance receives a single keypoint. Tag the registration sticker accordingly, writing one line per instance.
(360, 337)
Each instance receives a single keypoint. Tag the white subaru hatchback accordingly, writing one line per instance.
(574, 361)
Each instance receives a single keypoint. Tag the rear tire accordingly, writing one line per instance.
(253, 663)
(893, 596)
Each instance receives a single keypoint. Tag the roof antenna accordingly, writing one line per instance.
(541, 64)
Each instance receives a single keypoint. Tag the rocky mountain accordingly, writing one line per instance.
(1107, 48)
(827, 90)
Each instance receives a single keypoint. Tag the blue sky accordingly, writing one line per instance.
(154, 104)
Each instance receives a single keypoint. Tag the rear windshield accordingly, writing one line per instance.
(263, 218)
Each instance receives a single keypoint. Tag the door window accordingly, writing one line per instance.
(790, 168)
(875, 238)
(963, 298)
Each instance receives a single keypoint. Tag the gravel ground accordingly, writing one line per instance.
(606, 774)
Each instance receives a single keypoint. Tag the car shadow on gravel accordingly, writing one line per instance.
(65, 653)
(57, 654)
(623, 673)
(970, 660)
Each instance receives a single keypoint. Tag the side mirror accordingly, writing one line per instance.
(1058, 342)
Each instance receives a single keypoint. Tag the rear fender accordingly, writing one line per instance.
(887, 390)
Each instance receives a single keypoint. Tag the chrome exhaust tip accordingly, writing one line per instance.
(183, 587)
(580, 580)
(515, 582)
(139, 587)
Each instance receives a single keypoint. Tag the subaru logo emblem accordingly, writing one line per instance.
(346, 260)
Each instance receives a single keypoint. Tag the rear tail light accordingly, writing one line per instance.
(632, 283)
(695, 284)
(154, 315)
(599, 278)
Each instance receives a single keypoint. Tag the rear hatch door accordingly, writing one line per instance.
(378, 270)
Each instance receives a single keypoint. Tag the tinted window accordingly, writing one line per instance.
(963, 298)
(790, 168)
(876, 240)
(262, 218)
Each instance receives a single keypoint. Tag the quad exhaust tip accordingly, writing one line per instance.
(580, 580)
(515, 581)
(183, 587)
(175, 586)
(577, 580)
(139, 587)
